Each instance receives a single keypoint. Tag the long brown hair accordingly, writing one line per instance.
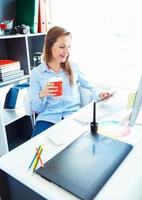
(53, 34)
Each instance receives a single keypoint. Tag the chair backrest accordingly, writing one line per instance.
(28, 110)
(85, 96)
(27, 106)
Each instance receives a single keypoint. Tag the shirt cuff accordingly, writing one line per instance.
(96, 96)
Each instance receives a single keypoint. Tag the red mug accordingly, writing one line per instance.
(57, 82)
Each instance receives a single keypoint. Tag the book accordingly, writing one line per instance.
(8, 63)
(17, 75)
(9, 69)
(5, 74)
(27, 13)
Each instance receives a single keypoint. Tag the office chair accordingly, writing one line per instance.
(85, 97)
(28, 110)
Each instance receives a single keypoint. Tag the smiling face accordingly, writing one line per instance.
(61, 49)
(56, 50)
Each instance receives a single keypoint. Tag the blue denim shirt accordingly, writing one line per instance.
(51, 108)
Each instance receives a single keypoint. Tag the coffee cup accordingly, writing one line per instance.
(58, 83)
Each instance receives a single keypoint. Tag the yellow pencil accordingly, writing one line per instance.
(37, 158)
(33, 159)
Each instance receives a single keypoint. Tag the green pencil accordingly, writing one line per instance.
(37, 158)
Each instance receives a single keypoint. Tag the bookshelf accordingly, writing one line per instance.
(15, 126)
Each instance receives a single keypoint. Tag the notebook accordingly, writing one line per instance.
(85, 165)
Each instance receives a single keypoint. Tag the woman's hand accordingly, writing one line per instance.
(105, 95)
(49, 90)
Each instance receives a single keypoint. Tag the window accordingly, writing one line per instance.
(107, 40)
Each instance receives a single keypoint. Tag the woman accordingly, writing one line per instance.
(43, 92)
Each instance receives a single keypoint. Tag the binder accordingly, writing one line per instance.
(41, 17)
(47, 14)
(14, 97)
(27, 13)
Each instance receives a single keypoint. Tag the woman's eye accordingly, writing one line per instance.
(62, 47)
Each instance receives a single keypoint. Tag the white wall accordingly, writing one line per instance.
(106, 37)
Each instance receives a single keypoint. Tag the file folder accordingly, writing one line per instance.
(14, 97)
(41, 17)
(27, 13)
(48, 14)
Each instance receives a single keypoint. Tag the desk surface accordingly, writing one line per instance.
(125, 183)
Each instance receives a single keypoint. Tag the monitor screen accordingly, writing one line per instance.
(137, 104)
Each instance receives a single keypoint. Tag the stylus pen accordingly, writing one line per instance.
(94, 113)
(33, 158)
(110, 95)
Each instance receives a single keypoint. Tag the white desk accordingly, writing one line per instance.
(125, 183)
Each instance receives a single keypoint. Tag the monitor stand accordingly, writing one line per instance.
(139, 118)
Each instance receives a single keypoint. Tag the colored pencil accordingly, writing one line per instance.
(39, 157)
(33, 159)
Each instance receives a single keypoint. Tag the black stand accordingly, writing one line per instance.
(94, 125)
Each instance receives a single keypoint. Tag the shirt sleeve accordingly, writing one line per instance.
(84, 82)
(37, 104)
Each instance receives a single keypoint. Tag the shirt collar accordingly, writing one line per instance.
(44, 67)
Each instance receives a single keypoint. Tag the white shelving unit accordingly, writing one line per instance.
(22, 47)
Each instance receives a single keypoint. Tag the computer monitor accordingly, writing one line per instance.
(136, 104)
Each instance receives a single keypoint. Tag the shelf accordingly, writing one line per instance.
(16, 142)
(14, 126)
(11, 115)
(21, 35)
(5, 83)
(17, 133)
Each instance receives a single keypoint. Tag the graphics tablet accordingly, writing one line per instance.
(85, 165)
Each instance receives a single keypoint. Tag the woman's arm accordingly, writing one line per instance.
(37, 102)
(97, 94)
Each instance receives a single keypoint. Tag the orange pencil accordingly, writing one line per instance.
(39, 157)
(33, 159)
